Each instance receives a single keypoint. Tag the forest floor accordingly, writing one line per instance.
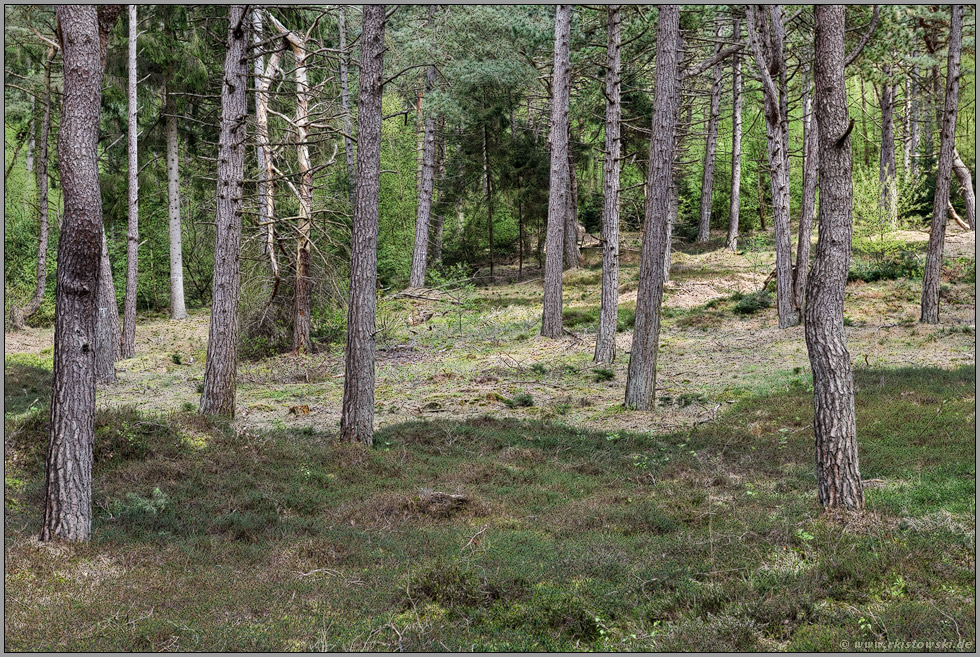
(510, 501)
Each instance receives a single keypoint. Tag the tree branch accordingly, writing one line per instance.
(864, 40)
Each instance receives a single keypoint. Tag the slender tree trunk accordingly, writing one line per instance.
(68, 467)
(834, 427)
(258, 69)
(811, 149)
(708, 171)
(302, 299)
(357, 418)
(605, 343)
(221, 367)
(417, 276)
(779, 165)
(177, 308)
(31, 144)
(641, 377)
(551, 317)
(127, 347)
(760, 191)
(886, 170)
(488, 194)
(570, 246)
(966, 189)
(107, 328)
(864, 125)
(937, 234)
(736, 187)
(19, 315)
(440, 218)
(345, 100)
(267, 190)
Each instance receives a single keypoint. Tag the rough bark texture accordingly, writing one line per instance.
(426, 178)
(557, 194)
(937, 233)
(345, 100)
(357, 415)
(887, 172)
(641, 377)
(966, 189)
(40, 169)
(769, 57)
(68, 467)
(834, 428)
(708, 171)
(127, 348)
(572, 256)
(810, 164)
(221, 368)
(107, 327)
(177, 308)
(605, 343)
(736, 187)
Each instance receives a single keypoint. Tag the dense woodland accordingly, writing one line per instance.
(372, 201)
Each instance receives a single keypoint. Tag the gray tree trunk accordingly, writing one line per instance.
(221, 367)
(68, 466)
(570, 246)
(966, 189)
(834, 427)
(177, 307)
(811, 150)
(258, 70)
(708, 171)
(887, 173)
(127, 348)
(345, 100)
(107, 327)
(551, 317)
(736, 187)
(440, 219)
(357, 415)
(605, 343)
(937, 233)
(31, 143)
(641, 379)
(769, 56)
(420, 252)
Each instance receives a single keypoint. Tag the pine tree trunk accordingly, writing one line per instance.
(107, 328)
(258, 70)
(864, 125)
(736, 187)
(641, 377)
(570, 246)
(221, 368)
(302, 299)
(937, 233)
(177, 307)
(420, 252)
(31, 143)
(68, 466)
(811, 148)
(760, 193)
(966, 189)
(357, 416)
(440, 219)
(887, 172)
(708, 171)
(127, 348)
(267, 190)
(345, 100)
(834, 427)
(605, 343)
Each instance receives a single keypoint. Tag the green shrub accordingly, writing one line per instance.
(603, 374)
(751, 303)
(904, 264)
(521, 400)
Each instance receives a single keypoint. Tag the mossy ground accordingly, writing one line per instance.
(478, 524)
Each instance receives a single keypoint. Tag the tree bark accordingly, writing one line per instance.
(440, 219)
(267, 189)
(834, 426)
(127, 348)
(420, 252)
(887, 172)
(302, 299)
(937, 233)
(262, 175)
(966, 189)
(107, 327)
(345, 100)
(551, 316)
(177, 307)
(641, 377)
(736, 187)
(570, 246)
(708, 171)
(357, 415)
(811, 148)
(68, 466)
(221, 367)
(770, 57)
(605, 343)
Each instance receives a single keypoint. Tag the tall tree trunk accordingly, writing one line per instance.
(221, 367)
(31, 144)
(440, 220)
(68, 466)
(760, 192)
(834, 427)
(258, 70)
(267, 190)
(107, 329)
(641, 379)
(20, 315)
(419, 253)
(708, 172)
(864, 125)
(886, 169)
(736, 187)
(570, 246)
(605, 343)
(177, 308)
(302, 299)
(488, 193)
(779, 164)
(551, 317)
(811, 148)
(345, 100)
(937, 233)
(357, 416)
(127, 348)
(966, 189)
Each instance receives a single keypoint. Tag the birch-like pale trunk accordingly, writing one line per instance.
(731, 243)
(811, 156)
(177, 308)
(127, 348)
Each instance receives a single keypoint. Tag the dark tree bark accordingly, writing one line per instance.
(345, 100)
(605, 343)
(107, 327)
(40, 169)
(770, 57)
(558, 192)
(570, 246)
(708, 171)
(177, 308)
(810, 164)
(736, 187)
(221, 368)
(937, 233)
(357, 418)
(834, 426)
(966, 189)
(887, 171)
(641, 377)
(417, 275)
(127, 347)
(68, 467)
